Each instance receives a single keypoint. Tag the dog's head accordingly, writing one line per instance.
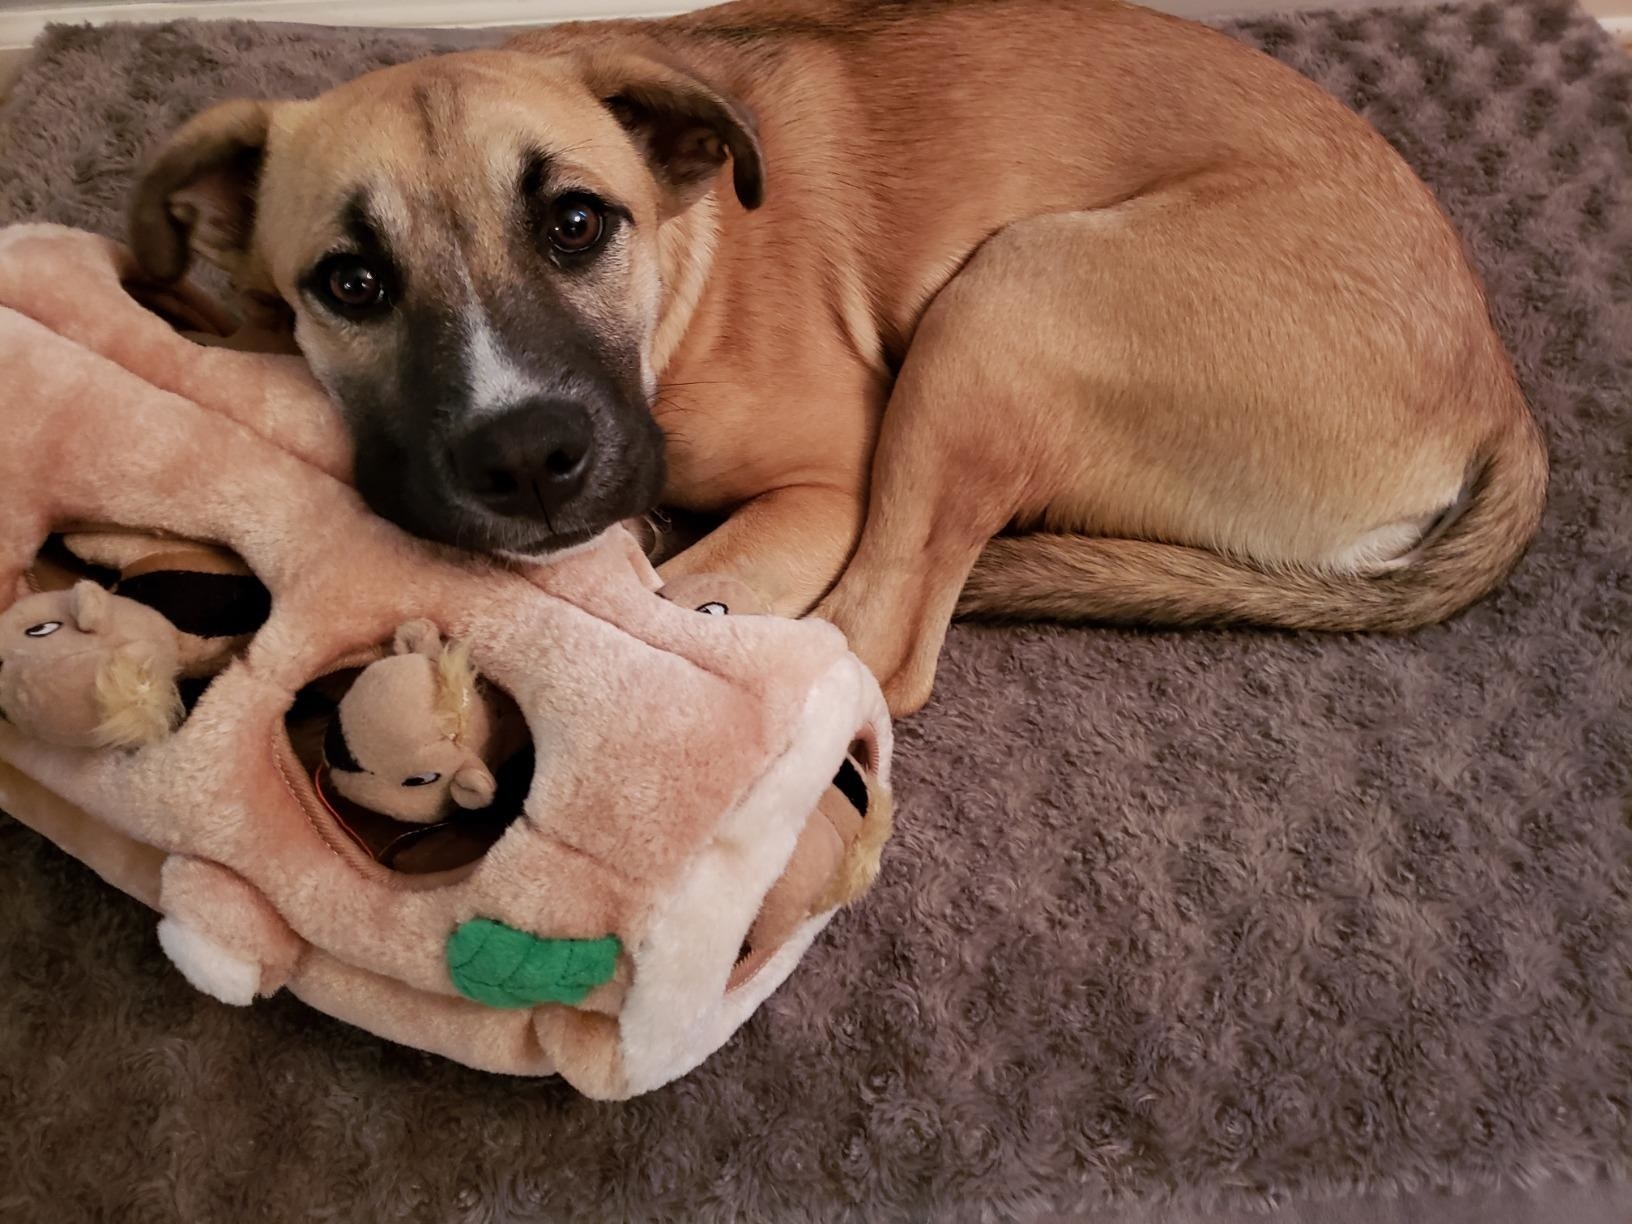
(470, 247)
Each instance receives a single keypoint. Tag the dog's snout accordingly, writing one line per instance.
(530, 462)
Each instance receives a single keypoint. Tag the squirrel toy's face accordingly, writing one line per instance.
(418, 787)
(390, 751)
(34, 634)
(85, 669)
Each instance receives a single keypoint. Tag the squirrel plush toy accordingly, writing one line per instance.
(208, 594)
(87, 665)
(416, 738)
(84, 668)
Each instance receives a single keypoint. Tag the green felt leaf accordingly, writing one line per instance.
(503, 967)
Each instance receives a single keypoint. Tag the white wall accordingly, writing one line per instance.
(22, 20)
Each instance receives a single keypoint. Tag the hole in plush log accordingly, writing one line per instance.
(417, 799)
(117, 632)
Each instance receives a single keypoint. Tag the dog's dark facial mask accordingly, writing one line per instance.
(488, 411)
(469, 248)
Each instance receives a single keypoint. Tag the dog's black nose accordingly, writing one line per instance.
(529, 462)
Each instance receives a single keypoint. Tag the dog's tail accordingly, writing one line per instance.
(1084, 578)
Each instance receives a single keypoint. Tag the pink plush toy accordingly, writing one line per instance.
(643, 810)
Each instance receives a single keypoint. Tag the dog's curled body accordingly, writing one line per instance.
(1023, 307)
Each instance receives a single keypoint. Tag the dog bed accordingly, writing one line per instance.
(1193, 919)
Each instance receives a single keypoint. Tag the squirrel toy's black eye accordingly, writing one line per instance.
(44, 629)
(422, 779)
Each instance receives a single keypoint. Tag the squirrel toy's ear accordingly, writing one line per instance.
(89, 603)
(418, 637)
(473, 786)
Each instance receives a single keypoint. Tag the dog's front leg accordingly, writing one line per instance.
(789, 545)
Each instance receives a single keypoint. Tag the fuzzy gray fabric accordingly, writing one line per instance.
(1205, 918)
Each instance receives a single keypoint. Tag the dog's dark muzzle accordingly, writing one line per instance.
(530, 479)
(529, 463)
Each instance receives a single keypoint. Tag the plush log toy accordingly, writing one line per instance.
(565, 823)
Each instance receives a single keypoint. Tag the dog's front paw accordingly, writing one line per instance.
(207, 965)
(905, 672)
(907, 690)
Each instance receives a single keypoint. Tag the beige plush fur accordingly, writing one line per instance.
(139, 701)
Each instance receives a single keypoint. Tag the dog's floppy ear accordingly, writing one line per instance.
(685, 127)
(199, 193)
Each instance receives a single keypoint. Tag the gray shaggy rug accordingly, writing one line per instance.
(1204, 918)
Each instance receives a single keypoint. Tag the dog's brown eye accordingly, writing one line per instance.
(576, 223)
(355, 285)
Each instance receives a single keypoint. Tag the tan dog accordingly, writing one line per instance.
(1179, 331)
